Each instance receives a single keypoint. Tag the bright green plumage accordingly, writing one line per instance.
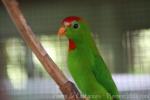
(85, 63)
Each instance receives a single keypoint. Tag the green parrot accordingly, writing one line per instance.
(85, 63)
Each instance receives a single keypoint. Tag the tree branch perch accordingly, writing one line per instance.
(67, 88)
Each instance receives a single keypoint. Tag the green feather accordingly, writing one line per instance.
(87, 67)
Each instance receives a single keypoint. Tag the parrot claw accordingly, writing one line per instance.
(69, 88)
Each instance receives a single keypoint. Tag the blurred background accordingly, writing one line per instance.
(121, 30)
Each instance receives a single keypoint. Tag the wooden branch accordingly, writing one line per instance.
(68, 88)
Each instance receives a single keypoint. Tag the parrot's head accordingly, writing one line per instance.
(75, 29)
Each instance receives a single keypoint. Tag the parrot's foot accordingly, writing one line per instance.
(70, 91)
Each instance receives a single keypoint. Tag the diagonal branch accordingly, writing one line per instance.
(68, 88)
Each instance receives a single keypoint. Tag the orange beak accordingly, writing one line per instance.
(61, 31)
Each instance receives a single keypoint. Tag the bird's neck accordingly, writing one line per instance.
(85, 45)
(72, 45)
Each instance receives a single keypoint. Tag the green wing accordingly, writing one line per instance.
(103, 75)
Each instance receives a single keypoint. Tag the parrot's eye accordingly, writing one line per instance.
(75, 25)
